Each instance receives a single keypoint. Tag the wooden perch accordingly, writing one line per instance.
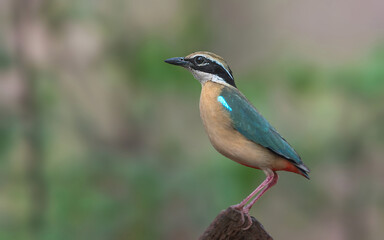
(227, 226)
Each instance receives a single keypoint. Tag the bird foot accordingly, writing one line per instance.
(244, 212)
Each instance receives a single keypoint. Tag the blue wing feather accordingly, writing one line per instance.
(250, 123)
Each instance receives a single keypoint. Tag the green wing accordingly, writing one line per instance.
(250, 123)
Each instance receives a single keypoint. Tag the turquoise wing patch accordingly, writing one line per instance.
(221, 100)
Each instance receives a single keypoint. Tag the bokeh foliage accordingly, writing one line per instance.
(100, 139)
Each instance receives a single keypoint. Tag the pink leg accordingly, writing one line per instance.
(271, 180)
(241, 205)
(275, 177)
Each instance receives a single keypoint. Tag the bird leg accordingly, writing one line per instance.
(271, 180)
(241, 205)
(249, 206)
(270, 184)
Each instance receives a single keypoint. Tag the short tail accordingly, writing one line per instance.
(303, 170)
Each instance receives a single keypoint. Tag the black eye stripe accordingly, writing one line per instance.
(214, 68)
(198, 60)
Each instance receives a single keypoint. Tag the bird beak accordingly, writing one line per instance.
(179, 61)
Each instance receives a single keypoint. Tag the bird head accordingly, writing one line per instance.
(206, 66)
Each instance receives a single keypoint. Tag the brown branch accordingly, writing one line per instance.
(229, 225)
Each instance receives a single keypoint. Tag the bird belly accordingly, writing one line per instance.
(227, 140)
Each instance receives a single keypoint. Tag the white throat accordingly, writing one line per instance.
(204, 77)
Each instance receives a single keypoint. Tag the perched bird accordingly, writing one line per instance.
(235, 127)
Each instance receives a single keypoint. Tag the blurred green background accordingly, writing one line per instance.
(100, 139)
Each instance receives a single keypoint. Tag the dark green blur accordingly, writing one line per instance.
(100, 139)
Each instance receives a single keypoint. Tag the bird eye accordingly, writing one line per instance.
(199, 60)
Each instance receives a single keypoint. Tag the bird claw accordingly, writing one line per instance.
(243, 212)
(240, 210)
(250, 223)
